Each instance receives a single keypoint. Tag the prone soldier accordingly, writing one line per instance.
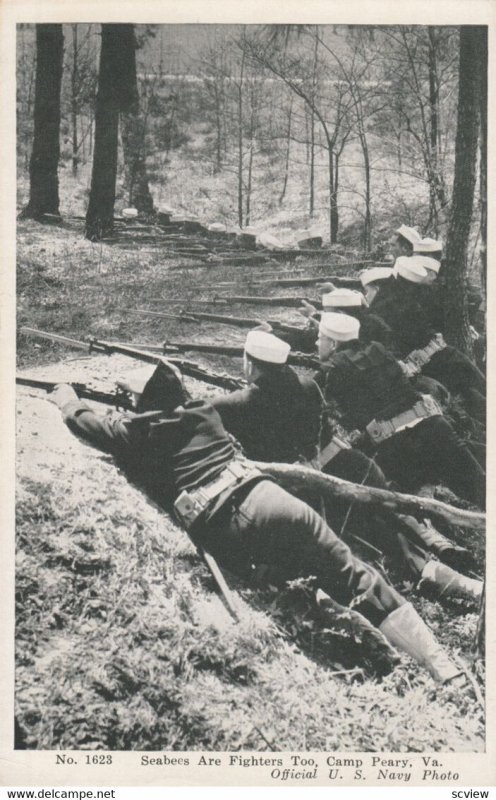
(419, 343)
(281, 416)
(405, 430)
(180, 452)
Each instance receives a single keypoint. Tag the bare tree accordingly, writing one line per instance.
(115, 94)
(418, 76)
(483, 160)
(473, 54)
(43, 167)
(289, 71)
(133, 138)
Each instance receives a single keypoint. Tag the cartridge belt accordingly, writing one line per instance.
(331, 450)
(190, 504)
(417, 359)
(381, 430)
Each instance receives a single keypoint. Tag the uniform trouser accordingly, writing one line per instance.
(461, 376)
(271, 529)
(375, 529)
(353, 465)
(431, 452)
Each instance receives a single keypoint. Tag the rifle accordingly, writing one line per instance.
(237, 351)
(95, 345)
(339, 280)
(262, 300)
(223, 319)
(117, 398)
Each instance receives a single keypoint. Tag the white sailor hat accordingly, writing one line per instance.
(375, 274)
(217, 227)
(410, 268)
(428, 245)
(428, 263)
(410, 234)
(340, 327)
(266, 347)
(342, 298)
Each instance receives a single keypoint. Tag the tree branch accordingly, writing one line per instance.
(294, 477)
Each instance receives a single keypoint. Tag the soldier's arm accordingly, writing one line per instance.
(109, 432)
(233, 408)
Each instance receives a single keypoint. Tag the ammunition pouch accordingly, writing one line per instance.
(191, 504)
(381, 430)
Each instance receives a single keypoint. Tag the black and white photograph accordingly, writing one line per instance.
(250, 403)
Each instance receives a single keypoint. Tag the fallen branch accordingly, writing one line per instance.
(295, 477)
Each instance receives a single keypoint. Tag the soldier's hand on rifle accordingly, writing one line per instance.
(307, 309)
(62, 393)
(326, 287)
(264, 326)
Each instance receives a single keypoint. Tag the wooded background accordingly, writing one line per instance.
(346, 130)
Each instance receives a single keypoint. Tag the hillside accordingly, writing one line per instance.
(121, 640)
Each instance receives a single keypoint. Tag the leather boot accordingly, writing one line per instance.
(408, 632)
(450, 583)
(447, 551)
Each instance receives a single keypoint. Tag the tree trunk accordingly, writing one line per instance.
(311, 209)
(218, 127)
(333, 199)
(297, 478)
(472, 55)
(311, 204)
(288, 149)
(249, 184)
(240, 142)
(43, 166)
(367, 227)
(483, 166)
(114, 95)
(133, 140)
(433, 122)
(74, 99)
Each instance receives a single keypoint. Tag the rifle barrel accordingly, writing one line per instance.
(237, 351)
(262, 300)
(148, 355)
(339, 280)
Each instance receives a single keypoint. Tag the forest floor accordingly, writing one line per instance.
(121, 640)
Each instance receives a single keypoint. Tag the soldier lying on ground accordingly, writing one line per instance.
(180, 452)
(404, 431)
(372, 329)
(281, 416)
(402, 305)
(432, 252)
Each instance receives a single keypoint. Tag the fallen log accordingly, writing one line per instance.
(295, 477)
